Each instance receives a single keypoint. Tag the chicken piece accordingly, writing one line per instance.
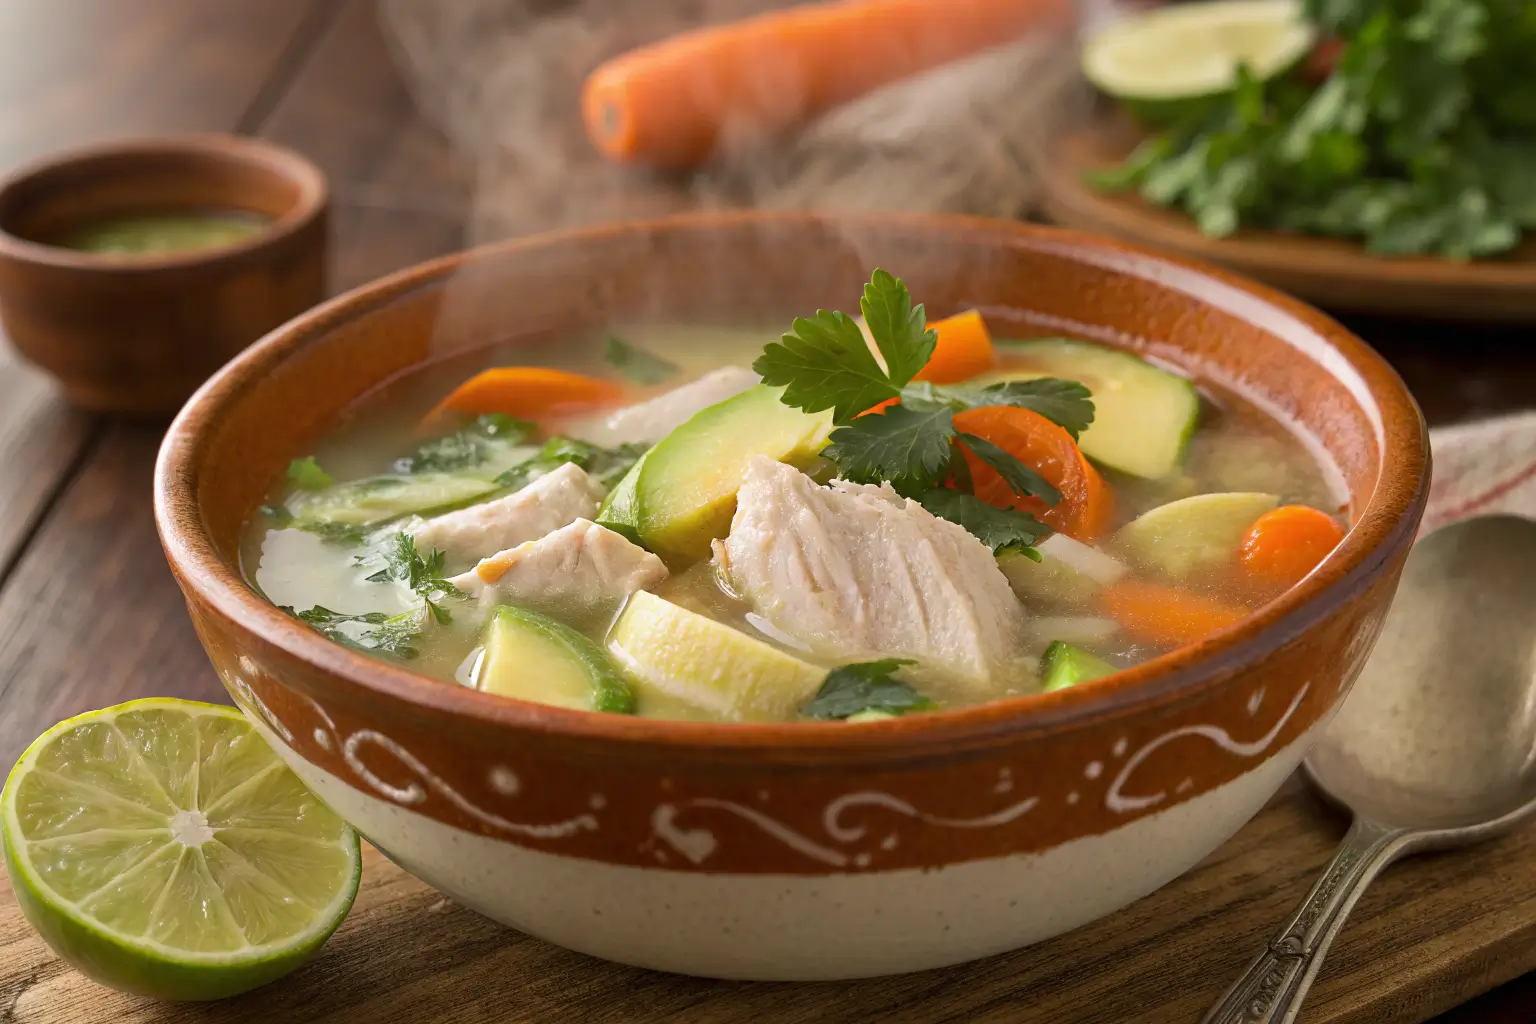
(653, 419)
(555, 499)
(857, 572)
(580, 569)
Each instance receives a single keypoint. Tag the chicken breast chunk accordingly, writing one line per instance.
(550, 502)
(578, 569)
(857, 572)
(653, 419)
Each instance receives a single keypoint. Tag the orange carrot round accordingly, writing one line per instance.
(667, 104)
(527, 392)
(1286, 543)
(1087, 506)
(964, 349)
(1158, 614)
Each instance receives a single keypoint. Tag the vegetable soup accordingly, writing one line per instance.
(864, 517)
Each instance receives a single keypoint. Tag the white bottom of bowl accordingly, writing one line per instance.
(798, 927)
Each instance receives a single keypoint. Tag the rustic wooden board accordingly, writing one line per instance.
(90, 616)
(1428, 935)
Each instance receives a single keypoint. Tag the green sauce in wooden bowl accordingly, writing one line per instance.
(153, 233)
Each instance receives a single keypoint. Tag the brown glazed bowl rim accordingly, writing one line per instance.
(1383, 529)
(279, 161)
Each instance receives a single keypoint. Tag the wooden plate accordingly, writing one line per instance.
(1335, 274)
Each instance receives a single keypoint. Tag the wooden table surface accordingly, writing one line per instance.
(89, 615)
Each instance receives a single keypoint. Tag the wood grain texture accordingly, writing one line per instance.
(75, 71)
(92, 617)
(78, 71)
(1427, 935)
(40, 438)
(1328, 272)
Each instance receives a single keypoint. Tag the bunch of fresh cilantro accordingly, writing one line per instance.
(1421, 140)
(825, 363)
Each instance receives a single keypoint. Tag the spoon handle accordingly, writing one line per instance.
(1271, 990)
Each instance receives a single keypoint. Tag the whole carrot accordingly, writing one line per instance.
(667, 104)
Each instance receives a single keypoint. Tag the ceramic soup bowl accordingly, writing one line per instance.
(817, 850)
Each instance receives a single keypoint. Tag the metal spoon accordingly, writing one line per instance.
(1435, 746)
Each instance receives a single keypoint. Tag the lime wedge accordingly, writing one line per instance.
(1191, 51)
(162, 848)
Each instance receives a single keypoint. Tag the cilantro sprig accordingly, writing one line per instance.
(468, 447)
(374, 632)
(423, 574)
(1421, 140)
(866, 686)
(826, 363)
(636, 364)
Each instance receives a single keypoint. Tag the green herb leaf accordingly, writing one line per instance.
(306, 474)
(605, 465)
(1000, 529)
(1397, 149)
(468, 447)
(898, 328)
(346, 534)
(907, 444)
(866, 686)
(1066, 403)
(423, 574)
(1015, 474)
(636, 364)
(389, 634)
(824, 363)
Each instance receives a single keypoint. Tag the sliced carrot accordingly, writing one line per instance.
(667, 104)
(527, 392)
(1087, 506)
(1158, 614)
(878, 407)
(1286, 543)
(963, 350)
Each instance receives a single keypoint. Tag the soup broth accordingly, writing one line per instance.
(581, 523)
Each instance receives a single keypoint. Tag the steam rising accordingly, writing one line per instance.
(502, 79)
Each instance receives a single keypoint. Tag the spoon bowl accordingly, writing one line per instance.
(1435, 746)
(1439, 733)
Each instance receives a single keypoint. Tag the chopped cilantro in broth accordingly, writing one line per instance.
(336, 543)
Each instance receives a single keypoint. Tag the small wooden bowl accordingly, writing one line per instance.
(137, 333)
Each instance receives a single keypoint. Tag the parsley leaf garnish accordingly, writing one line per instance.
(866, 686)
(306, 475)
(468, 447)
(390, 634)
(349, 534)
(1001, 529)
(636, 364)
(907, 445)
(1405, 147)
(1015, 474)
(423, 574)
(1065, 403)
(825, 363)
(604, 465)
(900, 329)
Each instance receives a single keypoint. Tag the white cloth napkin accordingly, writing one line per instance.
(1483, 468)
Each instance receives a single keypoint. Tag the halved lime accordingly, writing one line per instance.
(1173, 55)
(162, 848)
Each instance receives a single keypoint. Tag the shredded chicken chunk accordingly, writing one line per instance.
(581, 566)
(550, 502)
(653, 419)
(857, 572)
